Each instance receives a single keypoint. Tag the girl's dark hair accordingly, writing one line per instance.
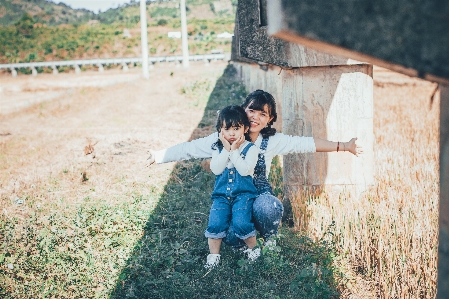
(231, 116)
(257, 101)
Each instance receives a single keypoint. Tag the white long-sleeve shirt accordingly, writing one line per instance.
(279, 144)
(230, 159)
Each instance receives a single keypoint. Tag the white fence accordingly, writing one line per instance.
(108, 61)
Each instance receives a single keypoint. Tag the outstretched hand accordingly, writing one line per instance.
(151, 159)
(352, 147)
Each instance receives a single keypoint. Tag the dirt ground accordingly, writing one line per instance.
(46, 123)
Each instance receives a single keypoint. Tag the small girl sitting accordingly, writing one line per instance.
(233, 161)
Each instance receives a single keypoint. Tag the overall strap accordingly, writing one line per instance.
(264, 144)
(260, 179)
(246, 149)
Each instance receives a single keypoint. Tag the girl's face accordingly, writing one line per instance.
(233, 133)
(258, 119)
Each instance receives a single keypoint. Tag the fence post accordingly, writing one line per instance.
(125, 67)
(77, 69)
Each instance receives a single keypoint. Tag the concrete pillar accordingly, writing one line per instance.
(443, 238)
(151, 66)
(33, 71)
(100, 68)
(77, 69)
(13, 72)
(55, 70)
(206, 61)
(125, 67)
(246, 74)
(274, 87)
(333, 103)
(257, 79)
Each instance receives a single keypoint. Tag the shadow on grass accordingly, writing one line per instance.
(168, 260)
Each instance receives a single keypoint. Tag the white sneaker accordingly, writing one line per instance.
(252, 254)
(270, 244)
(240, 249)
(212, 261)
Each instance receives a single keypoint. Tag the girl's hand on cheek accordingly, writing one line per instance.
(236, 144)
(226, 143)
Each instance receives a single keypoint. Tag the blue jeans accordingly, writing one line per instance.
(267, 215)
(236, 213)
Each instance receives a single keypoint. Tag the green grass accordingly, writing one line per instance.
(22, 43)
(154, 246)
(168, 261)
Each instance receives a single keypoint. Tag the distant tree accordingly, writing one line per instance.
(25, 25)
(162, 22)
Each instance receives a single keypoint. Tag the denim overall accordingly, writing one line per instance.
(260, 171)
(267, 209)
(233, 199)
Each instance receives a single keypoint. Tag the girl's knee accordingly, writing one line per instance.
(266, 205)
(242, 227)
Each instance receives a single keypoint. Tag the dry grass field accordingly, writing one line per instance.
(389, 236)
(75, 196)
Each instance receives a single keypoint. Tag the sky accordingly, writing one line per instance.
(94, 5)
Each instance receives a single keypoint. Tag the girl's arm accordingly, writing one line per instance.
(198, 148)
(219, 161)
(282, 144)
(245, 166)
(326, 146)
(286, 144)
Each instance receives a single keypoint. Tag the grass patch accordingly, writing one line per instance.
(168, 261)
(70, 255)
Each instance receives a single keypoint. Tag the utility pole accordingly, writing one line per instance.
(144, 37)
(185, 46)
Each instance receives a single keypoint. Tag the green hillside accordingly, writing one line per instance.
(42, 11)
(50, 14)
(114, 33)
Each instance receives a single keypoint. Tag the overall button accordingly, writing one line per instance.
(228, 189)
(229, 198)
(231, 172)
(230, 180)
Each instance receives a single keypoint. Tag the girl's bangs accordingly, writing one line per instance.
(233, 122)
(258, 104)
